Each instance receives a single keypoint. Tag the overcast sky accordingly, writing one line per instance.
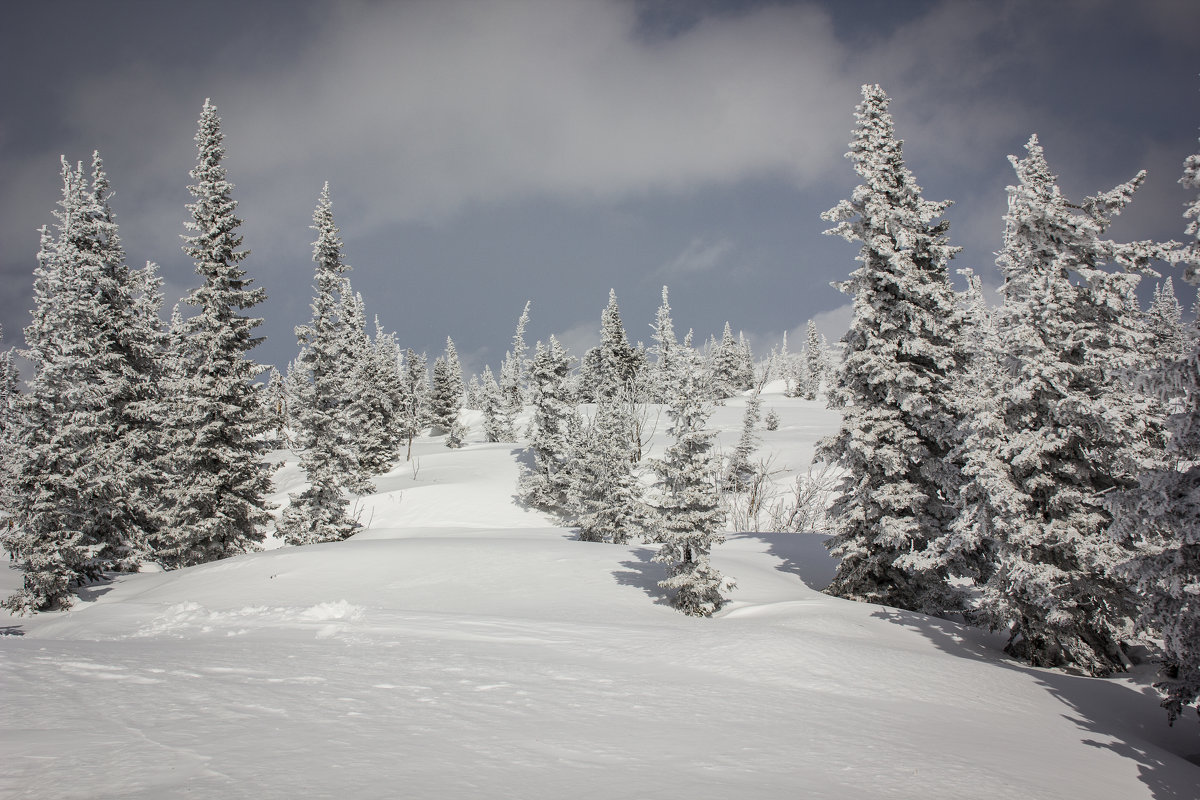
(484, 153)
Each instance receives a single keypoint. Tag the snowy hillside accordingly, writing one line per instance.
(465, 647)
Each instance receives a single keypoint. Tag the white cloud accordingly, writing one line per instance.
(701, 255)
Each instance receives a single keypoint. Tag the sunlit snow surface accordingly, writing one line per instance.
(464, 647)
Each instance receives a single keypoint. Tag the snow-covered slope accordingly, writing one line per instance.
(465, 647)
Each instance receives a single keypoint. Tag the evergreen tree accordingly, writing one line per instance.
(725, 366)
(9, 391)
(551, 430)
(454, 366)
(275, 406)
(326, 437)
(900, 371)
(415, 409)
(814, 362)
(1071, 429)
(1168, 339)
(474, 398)
(663, 350)
(368, 406)
(84, 485)
(443, 409)
(497, 425)
(515, 368)
(1161, 515)
(219, 477)
(617, 366)
(746, 369)
(688, 510)
(388, 380)
(739, 471)
(447, 391)
(604, 491)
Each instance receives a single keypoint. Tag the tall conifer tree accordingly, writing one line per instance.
(901, 367)
(220, 479)
(1070, 428)
(327, 439)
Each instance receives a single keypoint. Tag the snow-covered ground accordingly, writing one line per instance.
(465, 647)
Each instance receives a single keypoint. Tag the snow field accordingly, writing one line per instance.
(464, 647)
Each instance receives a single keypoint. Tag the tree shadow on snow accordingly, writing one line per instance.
(96, 589)
(1113, 711)
(644, 573)
(11, 630)
(801, 554)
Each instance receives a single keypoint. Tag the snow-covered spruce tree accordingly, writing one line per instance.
(369, 407)
(84, 483)
(447, 390)
(1161, 515)
(442, 406)
(1164, 318)
(663, 350)
(474, 394)
(325, 436)
(617, 367)
(9, 390)
(497, 425)
(814, 362)
(275, 406)
(514, 369)
(1070, 426)
(967, 548)
(725, 366)
(219, 477)
(388, 379)
(902, 364)
(606, 496)
(552, 429)
(414, 408)
(739, 470)
(748, 370)
(457, 386)
(687, 505)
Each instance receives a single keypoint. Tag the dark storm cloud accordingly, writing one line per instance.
(485, 153)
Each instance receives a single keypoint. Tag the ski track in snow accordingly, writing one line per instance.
(465, 647)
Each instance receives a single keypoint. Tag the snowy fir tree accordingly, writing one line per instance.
(454, 365)
(1070, 428)
(617, 363)
(552, 429)
(447, 389)
(902, 364)
(1161, 515)
(1168, 339)
(663, 350)
(388, 380)
(9, 391)
(326, 437)
(414, 407)
(747, 371)
(275, 406)
(514, 369)
(368, 407)
(726, 366)
(497, 425)
(605, 494)
(85, 484)
(443, 409)
(687, 505)
(739, 470)
(814, 363)
(219, 476)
